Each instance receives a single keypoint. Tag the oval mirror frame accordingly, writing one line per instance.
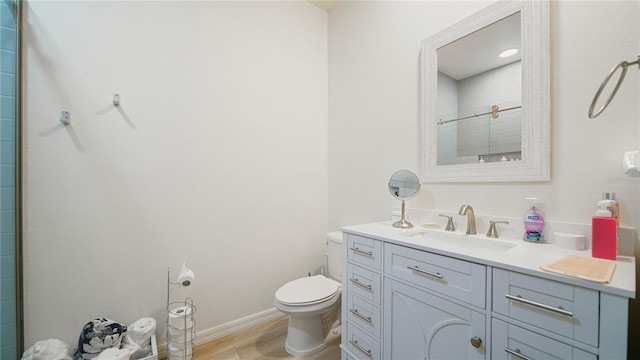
(404, 185)
(535, 160)
(404, 182)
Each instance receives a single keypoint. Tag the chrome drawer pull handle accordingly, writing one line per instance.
(362, 252)
(517, 353)
(356, 282)
(362, 350)
(558, 310)
(415, 268)
(362, 317)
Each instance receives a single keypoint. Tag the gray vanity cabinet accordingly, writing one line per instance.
(407, 301)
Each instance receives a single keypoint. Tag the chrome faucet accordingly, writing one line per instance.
(493, 231)
(471, 219)
(450, 226)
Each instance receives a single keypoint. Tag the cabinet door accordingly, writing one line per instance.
(512, 342)
(419, 325)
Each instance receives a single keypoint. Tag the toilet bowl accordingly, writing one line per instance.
(306, 300)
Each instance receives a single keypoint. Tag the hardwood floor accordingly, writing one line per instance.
(265, 341)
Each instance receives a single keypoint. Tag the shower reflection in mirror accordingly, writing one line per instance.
(479, 101)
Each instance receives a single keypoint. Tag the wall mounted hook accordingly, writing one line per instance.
(65, 117)
(116, 99)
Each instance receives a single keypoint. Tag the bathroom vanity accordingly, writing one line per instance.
(429, 294)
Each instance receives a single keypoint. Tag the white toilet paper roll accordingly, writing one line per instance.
(179, 331)
(180, 357)
(177, 350)
(180, 351)
(181, 317)
(184, 337)
(186, 277)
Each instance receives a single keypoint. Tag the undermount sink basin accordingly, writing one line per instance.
(456, 241)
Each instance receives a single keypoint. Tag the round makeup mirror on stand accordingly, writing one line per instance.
(404, 185)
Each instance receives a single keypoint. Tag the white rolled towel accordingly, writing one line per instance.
(140, 332)
(130, 345)
(114, 354)
(48, 349)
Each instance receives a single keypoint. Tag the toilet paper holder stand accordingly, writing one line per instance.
(180, 324)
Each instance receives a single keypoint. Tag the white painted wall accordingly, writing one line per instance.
(374, 52)
(219, 100)
(217, 156)
(374, 119)
(374, 113)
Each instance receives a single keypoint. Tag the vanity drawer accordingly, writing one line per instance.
(459, 279)
(513, 342)
(364, 314)
(564, 309)
(361, 345)
(365, 251)
(364, 283)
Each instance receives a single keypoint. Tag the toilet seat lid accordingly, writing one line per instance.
(307, 290)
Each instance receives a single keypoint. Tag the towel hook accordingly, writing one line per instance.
(624, 65)
(65, 117)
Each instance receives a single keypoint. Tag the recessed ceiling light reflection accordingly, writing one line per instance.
(509, 52)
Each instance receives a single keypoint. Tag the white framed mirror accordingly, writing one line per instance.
(486, 118)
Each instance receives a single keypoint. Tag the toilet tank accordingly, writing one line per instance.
(336, 255)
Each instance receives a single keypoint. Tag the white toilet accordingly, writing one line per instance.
(305, 300)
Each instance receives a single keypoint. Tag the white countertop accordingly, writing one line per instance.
(515, 255)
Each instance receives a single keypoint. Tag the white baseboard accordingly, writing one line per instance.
(232, 327)
(235, 326)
